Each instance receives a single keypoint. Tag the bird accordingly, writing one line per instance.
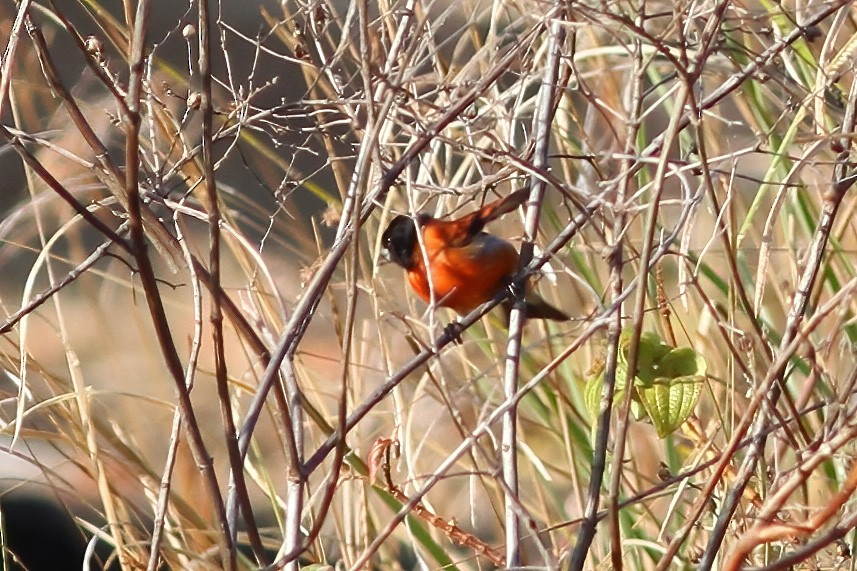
(463, 265)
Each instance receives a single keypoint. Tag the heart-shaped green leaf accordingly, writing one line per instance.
(669, 402)
(680, 362)
(665, 388)
(592, 393)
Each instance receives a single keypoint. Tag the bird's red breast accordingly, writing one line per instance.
(462, 277)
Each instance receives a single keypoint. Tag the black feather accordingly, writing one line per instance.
(399, 241)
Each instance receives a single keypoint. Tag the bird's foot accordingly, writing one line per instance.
(517, 289)
(453, 331)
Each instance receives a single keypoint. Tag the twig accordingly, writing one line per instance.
(296, 326)
(807, 550)
(832, 201)
(382, 448)
(212, 205)
(759, 396)
(150, 285)
(548, 98)
(608, 388)
(766, 532)
(638, 315)
(10, 51)
(175, 431)
(689, 473)
(49, 292)
(94, 59)
(737, 79)
(445, 339)
(108, 172)
(596, 323)
(33, 163)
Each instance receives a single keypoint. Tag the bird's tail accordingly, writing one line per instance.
(540, 309)
(537, 308)
(498, 208)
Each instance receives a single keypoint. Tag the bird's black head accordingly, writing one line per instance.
(400, 241)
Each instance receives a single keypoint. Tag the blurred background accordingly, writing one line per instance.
(702, 138)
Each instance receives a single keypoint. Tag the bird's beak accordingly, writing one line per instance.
(384, 258)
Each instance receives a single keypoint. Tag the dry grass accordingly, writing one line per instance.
(193, 312)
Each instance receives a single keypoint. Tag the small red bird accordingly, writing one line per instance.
(467, 266)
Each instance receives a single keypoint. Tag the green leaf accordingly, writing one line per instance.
(592, 395)
(669, 402)
(593, 388)
(680, 362)
(652, 350)
(665, 389)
